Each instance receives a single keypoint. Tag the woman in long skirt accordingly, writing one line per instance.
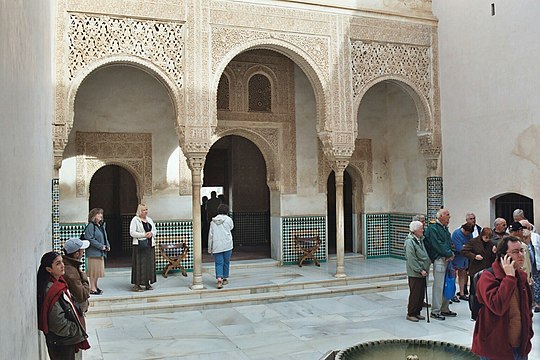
(143, 231)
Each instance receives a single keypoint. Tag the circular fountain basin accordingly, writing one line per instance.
(403, 349)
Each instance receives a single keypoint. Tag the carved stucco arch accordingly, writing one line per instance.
(270, 158)
(122, 60)
(263, 70)
(316, 77)
(95, 165)
(425, 121)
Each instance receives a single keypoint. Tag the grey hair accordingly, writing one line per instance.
(518, 212)
(440, 212)
(498, 221)
(415, 225)
(418, 217)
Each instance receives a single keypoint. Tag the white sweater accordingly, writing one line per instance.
(136, 230)
(220, 237)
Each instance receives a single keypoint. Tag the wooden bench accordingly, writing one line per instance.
(309, 246)
(174, 254)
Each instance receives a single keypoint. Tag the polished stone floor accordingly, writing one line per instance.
(304, 329)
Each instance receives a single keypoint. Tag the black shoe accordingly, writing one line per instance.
(455, 299)
(437, 316)
(537, 309)
(463, 297)
(449, 313)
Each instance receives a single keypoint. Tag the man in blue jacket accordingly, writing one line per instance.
(438, 243)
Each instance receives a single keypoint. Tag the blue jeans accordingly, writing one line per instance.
(222, 261)
(517, 355)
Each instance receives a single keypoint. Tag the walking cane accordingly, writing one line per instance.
(427, 301)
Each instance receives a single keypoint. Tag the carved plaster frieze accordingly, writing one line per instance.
(150, 9)
(371, 60)
(224, 39)
(271, 17)
(92, 37)
(361, 161)
(388, 31)
(133, 151)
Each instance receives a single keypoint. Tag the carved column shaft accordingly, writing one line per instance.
(196, 164)
(339, 169)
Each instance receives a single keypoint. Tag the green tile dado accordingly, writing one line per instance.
(385, 234)
(302, 226)
(169, 232)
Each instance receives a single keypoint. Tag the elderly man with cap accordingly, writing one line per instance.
(77, 281)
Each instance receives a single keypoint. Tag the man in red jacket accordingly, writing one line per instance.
(503, 328)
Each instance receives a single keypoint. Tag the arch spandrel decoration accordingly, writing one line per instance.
(361, 161)
(92, 37)
(310, 53)
(132, 151)
(93, 41)
(371, 60)
(410, 67)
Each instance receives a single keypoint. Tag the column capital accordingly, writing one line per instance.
(195, 161)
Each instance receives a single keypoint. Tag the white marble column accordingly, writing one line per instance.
(339, 170)
(196, 164)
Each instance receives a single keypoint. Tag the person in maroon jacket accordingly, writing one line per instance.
(503, 329)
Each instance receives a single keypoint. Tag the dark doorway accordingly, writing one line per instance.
(237, 165)
(113, 189)
(331, 211)
(506, 204)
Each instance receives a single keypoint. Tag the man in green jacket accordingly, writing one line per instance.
(439, 247)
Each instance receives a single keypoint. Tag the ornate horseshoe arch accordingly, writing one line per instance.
(268, 153)
(126, 60)
(309, 66)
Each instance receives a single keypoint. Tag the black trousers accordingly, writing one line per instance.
(61, 352)
(417, 289)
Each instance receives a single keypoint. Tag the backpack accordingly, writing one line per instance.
(474, 304)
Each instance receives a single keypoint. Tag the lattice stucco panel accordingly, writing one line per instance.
(92, 37)
(130, 150)
(372, 59)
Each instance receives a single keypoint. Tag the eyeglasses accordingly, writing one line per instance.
(517, 251)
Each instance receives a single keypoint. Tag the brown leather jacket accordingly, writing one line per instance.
(475, 247)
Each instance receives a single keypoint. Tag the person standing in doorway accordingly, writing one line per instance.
(220, 243)
(96, 233)
(143, 231)
(211, 206)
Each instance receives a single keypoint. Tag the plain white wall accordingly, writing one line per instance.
(26, 162)
(490, 103)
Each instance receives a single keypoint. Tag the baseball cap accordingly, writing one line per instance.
(75, 244)
(515, 226)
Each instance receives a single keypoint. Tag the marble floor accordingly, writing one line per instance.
(304, 329)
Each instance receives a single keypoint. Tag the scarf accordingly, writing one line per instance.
(58, 288)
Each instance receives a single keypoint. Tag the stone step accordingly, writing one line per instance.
(146, 303)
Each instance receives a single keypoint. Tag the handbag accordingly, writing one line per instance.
(449, 289)
(143, 244)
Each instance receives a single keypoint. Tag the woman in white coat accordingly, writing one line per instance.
(220, 243)
(143, 231)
